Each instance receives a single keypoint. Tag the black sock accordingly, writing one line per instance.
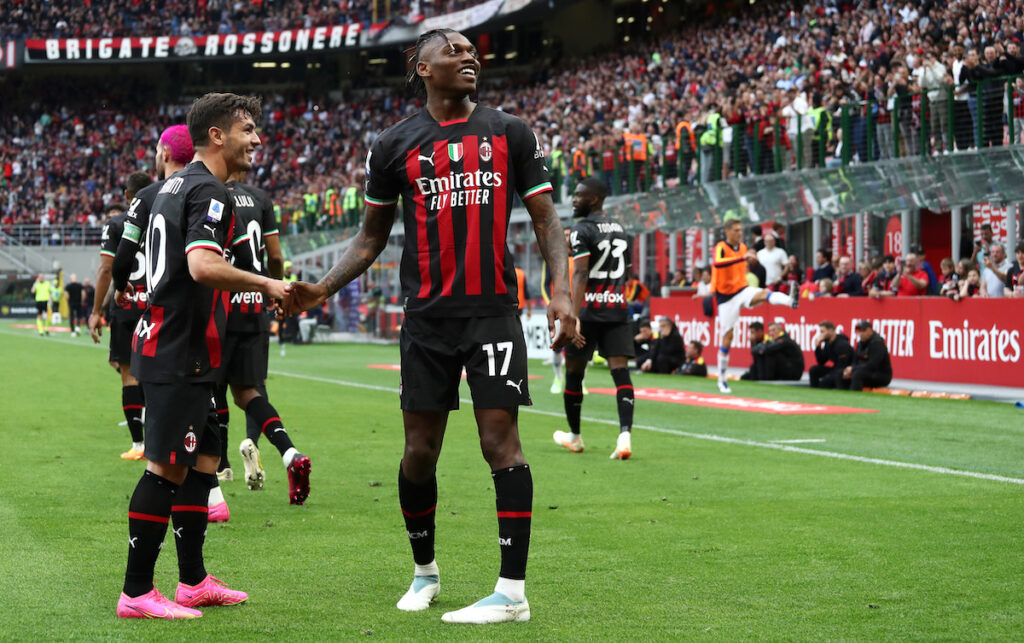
(573, 397)
(132, 402)
(624, 396)
(148, 514)
(260, 410)
(220, 402)
(513, 491)
(190, 515)
(252, 429)
(419, 506)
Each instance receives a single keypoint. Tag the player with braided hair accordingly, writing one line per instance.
(457, 166)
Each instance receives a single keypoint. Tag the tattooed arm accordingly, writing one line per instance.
(358, 256)
(551, 241)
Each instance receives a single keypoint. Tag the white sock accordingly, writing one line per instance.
(514, 589)
(574, 436)
(723, 364)
(779, 299)
(216, 497)
(430, 569)
(288, 455)
(139, 446)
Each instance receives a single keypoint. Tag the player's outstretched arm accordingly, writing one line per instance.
(209, 268)
(358, 256)
(551, 240)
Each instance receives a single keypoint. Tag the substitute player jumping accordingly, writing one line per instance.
(457, 166)
(731, 292)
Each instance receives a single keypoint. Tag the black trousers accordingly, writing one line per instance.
(864, 377)
(825, 376)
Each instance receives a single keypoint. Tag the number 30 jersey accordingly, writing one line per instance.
(181, 333)
(610, 251)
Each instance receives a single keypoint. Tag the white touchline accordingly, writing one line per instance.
(797, 441)
(711, 437)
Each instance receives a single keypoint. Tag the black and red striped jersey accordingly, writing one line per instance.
(126, 231)
(181, 333)
(457, 181)
(254, 222)
(610, 252)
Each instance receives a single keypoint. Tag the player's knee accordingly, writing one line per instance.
(420, 456)
(501, 450)
(207, 463)
(127, 379)
(243, 396)
(173, 472)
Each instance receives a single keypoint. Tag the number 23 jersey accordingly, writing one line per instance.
(610, 251)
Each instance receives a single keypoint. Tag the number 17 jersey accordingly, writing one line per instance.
(610, 252)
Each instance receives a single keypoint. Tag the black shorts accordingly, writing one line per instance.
(179, 422)
(41, 307)
(612, 339)
(434, 350)
(245, 358)
(122, 330)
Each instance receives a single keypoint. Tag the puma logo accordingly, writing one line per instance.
(628, 399)
(177, 532)
(428, 159)
(131, 541)
(280, 428)
(517, 386)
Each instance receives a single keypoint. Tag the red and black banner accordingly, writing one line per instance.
(257, 43)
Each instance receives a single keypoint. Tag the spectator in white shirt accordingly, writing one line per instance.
(772, 258)
(993, 279)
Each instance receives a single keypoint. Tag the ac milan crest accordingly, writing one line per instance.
(190, 441)
(485, 151)
(455, 151)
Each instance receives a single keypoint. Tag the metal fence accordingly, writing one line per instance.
(936, 121)
(53, 235)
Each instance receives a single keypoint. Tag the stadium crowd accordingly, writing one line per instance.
(120, 18)
(700, 103)
(987, 269)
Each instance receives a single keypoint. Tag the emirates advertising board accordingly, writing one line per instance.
(975, 341)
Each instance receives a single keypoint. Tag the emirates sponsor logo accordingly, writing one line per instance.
(694, 329)
(973, 344)
(460, 181)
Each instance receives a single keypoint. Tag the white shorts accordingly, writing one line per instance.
(729, 312)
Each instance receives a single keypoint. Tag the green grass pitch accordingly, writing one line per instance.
(710, 532)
